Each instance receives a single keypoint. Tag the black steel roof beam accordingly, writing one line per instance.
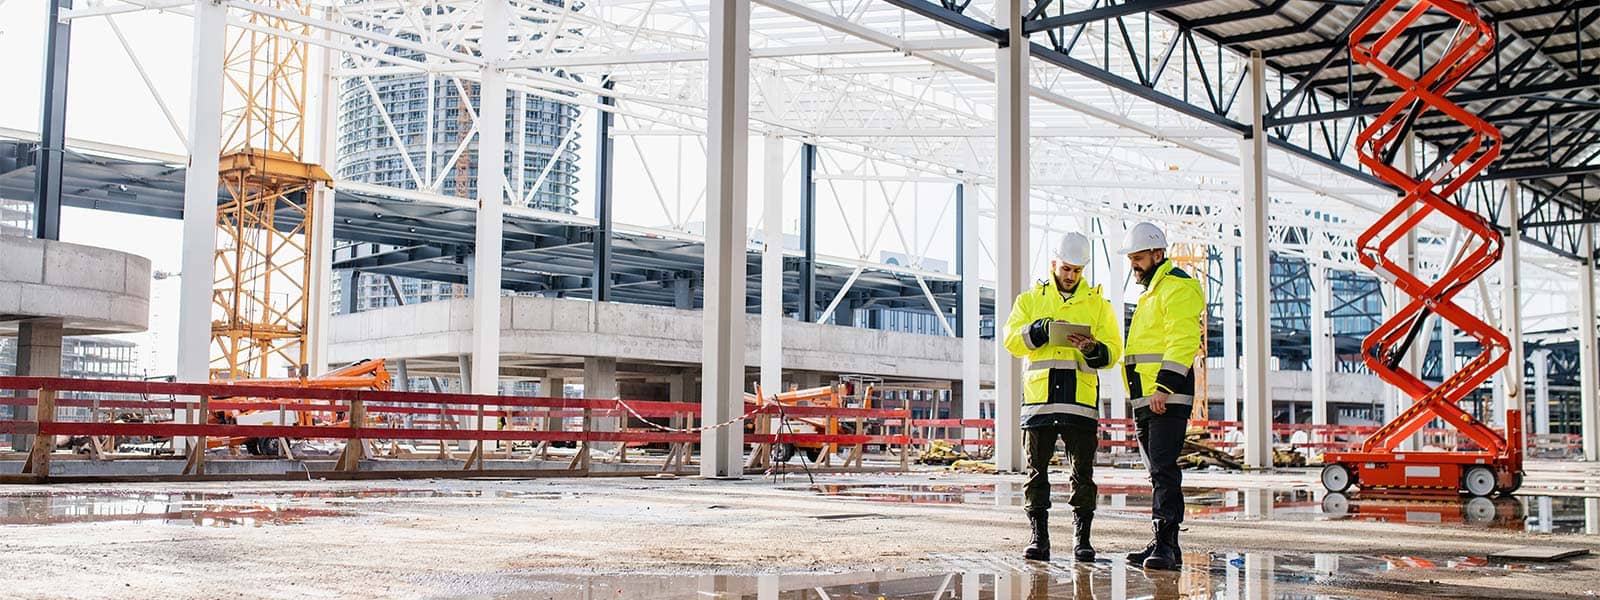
(1527, 13)
(1580, 83)
(1132, 87)
(392, 258)
(1306, 84)
(952, 16)
(1515, 143)
(376, 235)
(1205, 79)
(1254, 13)
(1530, 173)
(1544, 36)
(1512, 118)
(1296, 29)
(1407, 52)
(1102, 13)
(1486, 72)
(1576, 139)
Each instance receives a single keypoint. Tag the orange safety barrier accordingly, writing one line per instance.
(367, 409)
(1120, 433)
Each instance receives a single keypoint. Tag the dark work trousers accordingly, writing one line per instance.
(1160, 443)
(1081, 441)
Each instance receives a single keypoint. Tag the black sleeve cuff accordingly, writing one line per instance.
(1038, 335)
(1172, 381)
(1097, 356)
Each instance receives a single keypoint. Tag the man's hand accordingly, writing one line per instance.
(1082, 342)
(1158, 402)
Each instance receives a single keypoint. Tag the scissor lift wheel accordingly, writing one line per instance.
(1478, 481)
(1337, 478)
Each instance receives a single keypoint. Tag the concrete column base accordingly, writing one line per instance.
(38, 355)
(600, 382)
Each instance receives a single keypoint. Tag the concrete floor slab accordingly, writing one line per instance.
(637, 538)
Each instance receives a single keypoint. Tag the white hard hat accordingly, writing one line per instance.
(1073, 249)
(1144, 236)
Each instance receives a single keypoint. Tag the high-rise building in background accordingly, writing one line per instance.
(375, 291)
(535, 128)
(367, 153)
(86, 357)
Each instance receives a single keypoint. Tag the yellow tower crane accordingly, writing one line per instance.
(264, 286)
(263, 259)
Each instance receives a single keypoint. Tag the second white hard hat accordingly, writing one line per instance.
(1144, 236)
(1073, 249)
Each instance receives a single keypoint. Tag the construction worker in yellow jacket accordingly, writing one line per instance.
(1163, 343)
(1061, 387)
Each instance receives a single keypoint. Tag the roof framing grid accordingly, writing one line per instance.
(1187, 56)
(1140, 91)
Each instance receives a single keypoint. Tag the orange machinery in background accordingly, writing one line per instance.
(849, 392)
(364, 375)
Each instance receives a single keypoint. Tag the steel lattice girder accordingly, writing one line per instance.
(1329, 100)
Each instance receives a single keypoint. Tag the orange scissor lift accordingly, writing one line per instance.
(1497, 465)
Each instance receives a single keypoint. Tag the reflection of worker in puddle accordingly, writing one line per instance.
(1158, 366)
(1067, 330)
(1040, 579)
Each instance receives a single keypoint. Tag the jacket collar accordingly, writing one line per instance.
(1162, 270)
(1084, 291)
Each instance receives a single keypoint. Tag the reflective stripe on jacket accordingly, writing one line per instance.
(1164, 338)
(1060, 380)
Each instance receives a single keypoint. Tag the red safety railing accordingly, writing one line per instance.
(379, 415)
(1225, 435)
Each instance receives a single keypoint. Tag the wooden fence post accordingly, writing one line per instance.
(44, 441)
(350, 460)
(197, 455)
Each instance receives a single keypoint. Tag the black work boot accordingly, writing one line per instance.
(1166, 556)
(1081, 550)
(1137, 558)
(1039, 547)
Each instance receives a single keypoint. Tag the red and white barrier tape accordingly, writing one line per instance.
(726, 423)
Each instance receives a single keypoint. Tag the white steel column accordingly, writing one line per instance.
(727, 131)
(1112, 387)
(1321, 344)
(318, 289)
(200, 200)
(1511, 311)
(1586, 351)
(1419, 351)
(1257, 338)
(1541, 392)
(772, 269)
(971, 306)
(1011, 206)
(1230, 330)
(491, 204)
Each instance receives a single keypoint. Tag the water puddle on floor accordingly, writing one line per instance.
(200, 510)
(217, 509)
(1250, 576)
(1543, 514)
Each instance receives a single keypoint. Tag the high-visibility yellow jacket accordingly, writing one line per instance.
(1164, 338)
(1059, 382)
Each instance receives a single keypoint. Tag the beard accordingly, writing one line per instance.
(1061, 284)
(1142, 275)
